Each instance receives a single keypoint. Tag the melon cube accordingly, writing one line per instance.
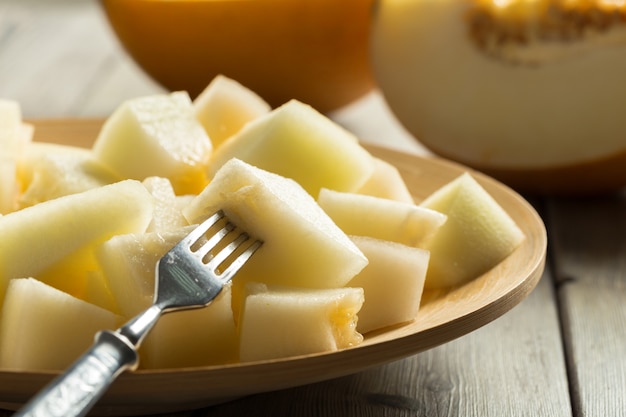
(477, 236)
(364, 215)
(386, 182)
(43, 328)
(225, 106)
(38, 237)
(279, 322)
(199, 337)
(392, 282)
(156, 135)
(167, 211)
(298, 142)
(51, 171)
(302, 245)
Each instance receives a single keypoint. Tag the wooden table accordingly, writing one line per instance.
(559, 353)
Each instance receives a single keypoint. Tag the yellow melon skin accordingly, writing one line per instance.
(544, 116)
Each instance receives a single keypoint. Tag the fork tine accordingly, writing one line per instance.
(216, 238)
(201, 230)
(228, 250)
(241, 259)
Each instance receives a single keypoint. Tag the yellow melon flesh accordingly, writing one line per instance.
(225, 106)
(386, 182)
(167, 213)
(392, 281)
(384, 219)
(312, 249)
(40, 236)
(530, 91)
(156, 136)
(43, 328)
(283, 322)
(477, 236)
(298, 142)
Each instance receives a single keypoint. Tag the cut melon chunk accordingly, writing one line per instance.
(167, 212)
(43, 328)
(40, 236)
(225, 106)
(392, 282)
(284, 322)
(55, 170)
(384, 219)
(477, 236)
(386, 182)
(156, 135)
(298, 142)
(198, 337)
(302, 245)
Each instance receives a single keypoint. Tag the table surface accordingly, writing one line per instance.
(558, 353)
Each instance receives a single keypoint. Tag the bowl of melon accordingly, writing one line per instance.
(369, 255)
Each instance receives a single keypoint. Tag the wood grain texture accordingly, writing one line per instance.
(590, 269)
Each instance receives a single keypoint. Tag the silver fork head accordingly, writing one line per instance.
(194, 271)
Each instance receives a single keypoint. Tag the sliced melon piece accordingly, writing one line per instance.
(392, 282)
(477, 236)
(198, 337)
(298, 142)
(38, 237)
(225, 106)
(167, 213)
(282, 322)
(156, 135)
(43, 328)
(302, 245)
(365, 215)
(386, 182)
(53, 171)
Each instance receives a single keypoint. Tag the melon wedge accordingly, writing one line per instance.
(298, 142)
(283, 322)
(43, 328)
(40, 236)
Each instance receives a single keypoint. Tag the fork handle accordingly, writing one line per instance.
(76, 391)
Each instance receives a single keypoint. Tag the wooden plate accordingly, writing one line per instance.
(442, 317)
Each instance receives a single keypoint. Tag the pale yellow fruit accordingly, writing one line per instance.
(477, 236)
(167, 213)
(43, 328)
(386, 182)
(392, 281)
(156, 135)
(50, 171)
(205, 336)
(282, 322)
(38, 237)
(198, 337)
(298, 142)
(530, 92)
(225, 106)
(302, 245)
(384, 219)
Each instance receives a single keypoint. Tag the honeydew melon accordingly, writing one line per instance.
(50, 171)
(40, 236)
(296, 141)
(156, 135)
(392, 281)
(302, 245)
(280, 322)
(225, 106)
(198, 337)
(43, 328)
(386, 182)
(167, 213)
(384, 219)
(478, 234)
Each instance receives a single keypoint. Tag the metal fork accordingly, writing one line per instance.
(190, 275)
